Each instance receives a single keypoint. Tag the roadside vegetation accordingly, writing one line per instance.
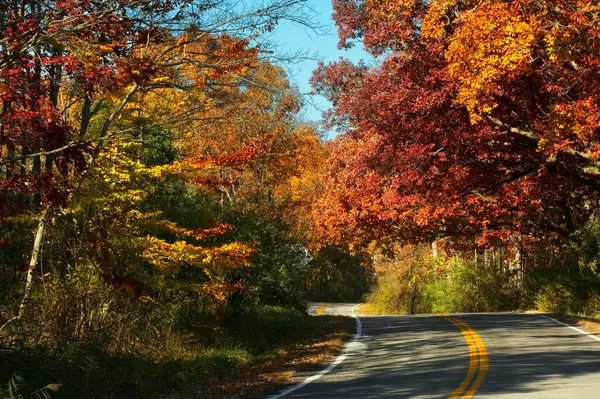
(156, 187)
(254, 355)
(165, 212)
(412, 280)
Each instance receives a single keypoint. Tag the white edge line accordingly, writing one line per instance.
(579, 330)
(331, 366)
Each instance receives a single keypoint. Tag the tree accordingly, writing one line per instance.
(478, 122)
(76, 77)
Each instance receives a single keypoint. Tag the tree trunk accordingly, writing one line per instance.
(32, 264)
(517, 268)
(434, 249)
(413, 299)
(10, 155)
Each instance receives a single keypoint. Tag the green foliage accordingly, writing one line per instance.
(568, 280)
(337, 275)
(278, 269)
(186, 205)
(158, 147)
(557, 298)
(444, 286)
(588, 245)
(195, 356)
(565, 287)
(466, 286)
(558, 279)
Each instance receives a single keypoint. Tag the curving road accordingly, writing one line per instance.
(500, 355)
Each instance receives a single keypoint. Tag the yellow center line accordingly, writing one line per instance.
(477, 358)
(483, 366)
(321, 309)
(473, 359)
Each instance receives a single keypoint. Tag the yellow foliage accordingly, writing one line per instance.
(490, 44)
(170, 257)
(435, 20)
(388, 9)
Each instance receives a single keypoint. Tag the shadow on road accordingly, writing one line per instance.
(426, 356)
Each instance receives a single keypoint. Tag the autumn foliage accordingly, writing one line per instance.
(139, 140)
(479, 122)
(157, 181)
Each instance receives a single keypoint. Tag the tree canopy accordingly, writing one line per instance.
(480, 120)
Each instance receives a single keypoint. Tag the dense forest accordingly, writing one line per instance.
(166, 213)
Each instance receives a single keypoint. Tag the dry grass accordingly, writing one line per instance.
(590, 324)
(269, 373)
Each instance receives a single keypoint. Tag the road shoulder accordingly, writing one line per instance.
(268, 373)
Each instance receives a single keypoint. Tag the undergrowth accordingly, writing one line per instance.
(84, 370)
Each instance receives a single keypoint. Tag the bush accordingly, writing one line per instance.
(278, 269)
(389, 296)
(565, 286)
(465, 286)
(557, 298)
(443, 286)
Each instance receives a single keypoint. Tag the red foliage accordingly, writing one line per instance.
(412, 165)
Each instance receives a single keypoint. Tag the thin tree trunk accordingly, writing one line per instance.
(517, 269)
(49, 159)
(39, 235)
(413, 294)
(413, 299)
(10, 155)
(434, 249)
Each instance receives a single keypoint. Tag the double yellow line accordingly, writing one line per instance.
(478, 361)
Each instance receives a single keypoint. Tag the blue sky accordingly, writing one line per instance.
(292, 38)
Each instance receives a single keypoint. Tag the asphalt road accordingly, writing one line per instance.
(468, 355)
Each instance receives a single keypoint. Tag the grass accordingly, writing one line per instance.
(256, 354)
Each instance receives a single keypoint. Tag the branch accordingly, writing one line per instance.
(526, 133)
(69, 145)
(593, 167)
(120, 107)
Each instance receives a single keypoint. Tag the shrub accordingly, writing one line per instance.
(466, 286)
(443, 285)
(557, 298)
(566, 286)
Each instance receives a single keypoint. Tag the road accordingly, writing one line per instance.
(499, 355)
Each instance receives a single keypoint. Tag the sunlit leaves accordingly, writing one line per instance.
(490, 45)
(480, 120)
